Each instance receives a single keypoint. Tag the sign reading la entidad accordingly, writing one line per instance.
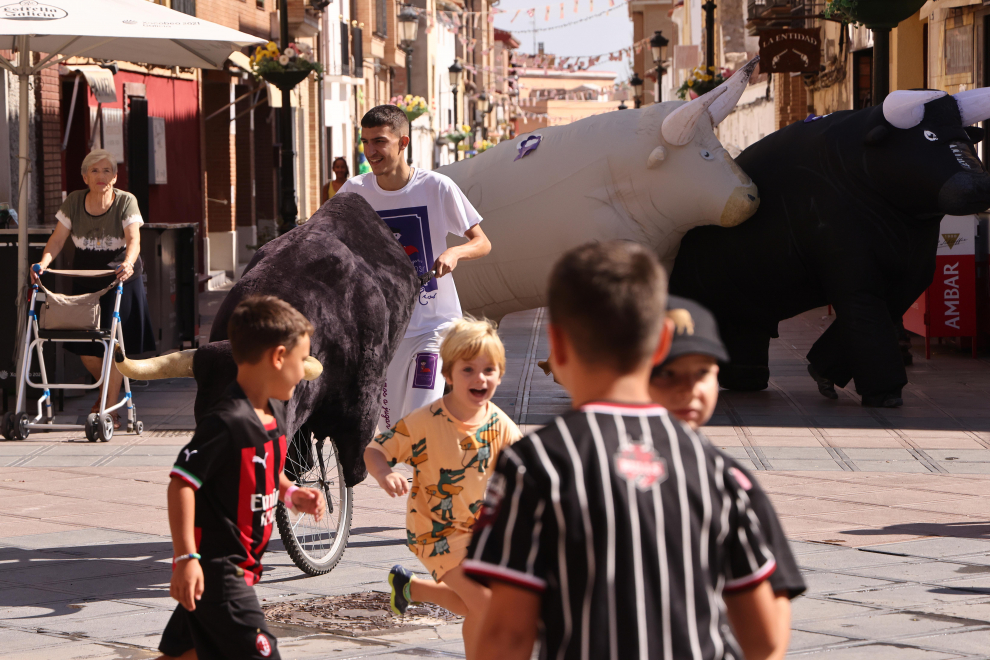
(32, 10)
(790, 50)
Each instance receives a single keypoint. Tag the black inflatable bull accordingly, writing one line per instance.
(344, 270)
(850, 217)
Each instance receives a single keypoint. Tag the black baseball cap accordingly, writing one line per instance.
(695, 331)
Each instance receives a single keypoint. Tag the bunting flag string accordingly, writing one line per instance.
(612, 6)
(575, 62)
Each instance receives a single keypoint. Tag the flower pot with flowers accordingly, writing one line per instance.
(480, 146)
(701, 80)
(413, 106)
(455, 135)
(284, 69)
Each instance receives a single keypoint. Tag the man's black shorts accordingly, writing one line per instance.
(227, 623)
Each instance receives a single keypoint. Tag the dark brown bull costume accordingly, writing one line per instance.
(348, 275)
(850, 217)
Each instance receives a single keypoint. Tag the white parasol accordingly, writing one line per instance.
(128, 30)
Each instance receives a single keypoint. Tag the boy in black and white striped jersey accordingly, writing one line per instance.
(686, 384)
(616, 530)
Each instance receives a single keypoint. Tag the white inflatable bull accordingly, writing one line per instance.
(645, 175)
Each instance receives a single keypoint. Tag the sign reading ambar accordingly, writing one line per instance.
(31, 10)
(790, 51)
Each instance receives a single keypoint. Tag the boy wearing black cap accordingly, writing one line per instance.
(686, 384)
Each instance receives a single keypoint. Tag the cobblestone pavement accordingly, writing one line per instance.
(887, 511)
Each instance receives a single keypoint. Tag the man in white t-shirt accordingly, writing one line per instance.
(421, 208)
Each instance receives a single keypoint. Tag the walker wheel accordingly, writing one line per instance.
(139, 427)
(90, 427)
(6, 426)
(104, 427)
(20, 424)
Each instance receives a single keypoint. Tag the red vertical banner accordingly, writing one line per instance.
(948, 307)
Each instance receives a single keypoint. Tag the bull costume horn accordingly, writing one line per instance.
(974, 105)
(311, 368)
(678, 127)
(173, 365)
(735, 87)
(906, 108)
(180, 365)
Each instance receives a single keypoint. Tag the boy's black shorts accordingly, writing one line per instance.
(227, 623)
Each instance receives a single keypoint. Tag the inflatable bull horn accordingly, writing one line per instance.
(180, 365)
(734, 88)
(906, 108)
(974, 105)
(678, 127)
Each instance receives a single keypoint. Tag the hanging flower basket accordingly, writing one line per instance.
(455, 135)
(872, 13)
(285, 80)
(284, 69)
(413, 106)
(701, 81)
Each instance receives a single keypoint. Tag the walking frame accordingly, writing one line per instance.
(99, 426)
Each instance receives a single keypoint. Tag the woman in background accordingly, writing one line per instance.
(340, 174)
(104, 224)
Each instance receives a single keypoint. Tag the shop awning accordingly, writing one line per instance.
(99, 80)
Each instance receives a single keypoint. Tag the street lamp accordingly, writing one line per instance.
(637, 85)
(658, 46)
(484, 106)
(455, 70)
(709, 8)
(408, 29)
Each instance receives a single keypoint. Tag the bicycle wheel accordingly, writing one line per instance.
(316, 547)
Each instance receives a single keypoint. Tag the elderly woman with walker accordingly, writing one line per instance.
(104, 224)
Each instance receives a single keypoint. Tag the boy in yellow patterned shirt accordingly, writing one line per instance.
(452, 445)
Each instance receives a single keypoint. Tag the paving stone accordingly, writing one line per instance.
(912, 595)
(12, 641)
(882, 625)
(876, 651)
(824, 465)
(801, 640)
(900, 467)
(939, 547)
(812, 608)
(841, 561)
(837, 583)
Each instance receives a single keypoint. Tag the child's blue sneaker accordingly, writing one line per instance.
(400, 579)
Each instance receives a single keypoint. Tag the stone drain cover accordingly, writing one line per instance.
(355, 615)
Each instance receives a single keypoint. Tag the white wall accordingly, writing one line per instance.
(752, 120)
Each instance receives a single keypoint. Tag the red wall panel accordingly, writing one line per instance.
(181, 199)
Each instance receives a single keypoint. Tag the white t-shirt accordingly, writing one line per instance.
(421, 215)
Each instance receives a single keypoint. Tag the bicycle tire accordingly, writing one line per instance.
(316, 548)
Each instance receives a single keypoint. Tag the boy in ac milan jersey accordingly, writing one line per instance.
(224, 489)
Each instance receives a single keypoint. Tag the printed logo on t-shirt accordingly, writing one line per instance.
(266, 504)
(641, 465)
(263, 645)
(411, 227)
(425, 371)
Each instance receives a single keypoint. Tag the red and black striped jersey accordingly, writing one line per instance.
(630, 526)
(234, 462)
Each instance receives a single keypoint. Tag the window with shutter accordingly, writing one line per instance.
(357, 43)
(345, 50)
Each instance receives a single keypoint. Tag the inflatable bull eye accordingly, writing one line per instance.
(706, 154)
(931, 137)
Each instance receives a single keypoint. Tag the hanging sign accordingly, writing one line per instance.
(791, 51)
